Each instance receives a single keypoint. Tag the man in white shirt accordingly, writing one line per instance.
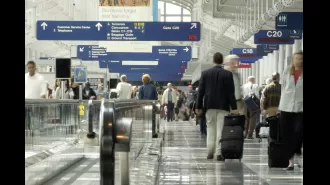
(169, 99)
(230, 64)
(35, 86)
(251, 116)
(124, 88)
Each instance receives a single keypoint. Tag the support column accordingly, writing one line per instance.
(27, 54)
(257, 71)
(276, 53)
(281, 59)
(296, 46)
(302, 43)
(269, 64)
(288, 53)
(262, 69)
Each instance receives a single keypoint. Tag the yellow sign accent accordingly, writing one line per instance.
(81, 109)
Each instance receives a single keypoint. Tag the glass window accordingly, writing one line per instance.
(186, 12)
(172, 9)
(173, 18)
(161, 7)
(162, 19)
(186, 18)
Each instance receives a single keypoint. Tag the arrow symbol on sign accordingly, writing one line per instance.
(98, 25)
(186, 49)
(44, 25)
(193, 25)
(81, 49)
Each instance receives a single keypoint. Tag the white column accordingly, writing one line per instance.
(27, 54)
(276, 53)
(302, 43)
(257, 71)
(288, 53)
(296, 46)
(37, 55)
(253, 70)
(269, 64)
(281, 55)
(243, 76)
(263, 69)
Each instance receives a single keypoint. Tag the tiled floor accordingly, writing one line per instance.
(184, 162)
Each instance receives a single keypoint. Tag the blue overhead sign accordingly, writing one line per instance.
(274, 37)
(160, 77)
(248, 61)
(239, 51)
(90, 52)
(178, 52)
(263, 50)
(118, 31)
(144, 66)
(289, 21)
(158, 53)
(246, 54)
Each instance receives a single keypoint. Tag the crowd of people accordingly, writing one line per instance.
(219, 93)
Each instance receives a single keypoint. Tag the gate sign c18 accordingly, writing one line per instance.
(118, 31)
(289, 21)
(244, 52)
(274, 37)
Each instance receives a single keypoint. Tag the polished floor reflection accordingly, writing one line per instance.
(184, 162)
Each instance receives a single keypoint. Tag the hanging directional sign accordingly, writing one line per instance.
(144, 66)
(248, 61)
(118, 31)
(158, 53)
(178, 52)
(160, 77)
(289, 21)
(244, 65)
(263, 50)
(90, 52)
(274, 37)
(245, 52)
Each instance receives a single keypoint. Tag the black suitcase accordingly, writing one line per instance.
(273, 122)
(232, 138)
(232, 142)
(277, 150)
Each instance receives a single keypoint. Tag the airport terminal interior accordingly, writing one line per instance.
(90, 121)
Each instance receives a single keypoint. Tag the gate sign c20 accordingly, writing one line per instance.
(274, 37)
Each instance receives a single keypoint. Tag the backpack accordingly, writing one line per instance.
(252, 102)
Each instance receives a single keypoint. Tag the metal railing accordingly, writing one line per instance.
(52, 134)
(126, 126)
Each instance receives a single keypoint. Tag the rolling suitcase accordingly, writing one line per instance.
(232, 138)
(277, 151)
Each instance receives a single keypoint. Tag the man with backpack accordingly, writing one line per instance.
(251, 106)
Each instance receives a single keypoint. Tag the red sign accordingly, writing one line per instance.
(192, 37)
(244, 65)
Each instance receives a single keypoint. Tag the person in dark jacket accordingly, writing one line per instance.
(88, 92)
(217, 90)
(147, 91)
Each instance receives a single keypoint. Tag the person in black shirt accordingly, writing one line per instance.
(88, 92)
(216, 94)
